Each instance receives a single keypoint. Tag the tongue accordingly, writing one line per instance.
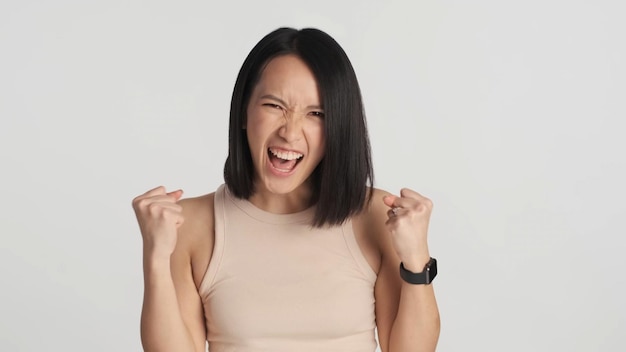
(283, 164)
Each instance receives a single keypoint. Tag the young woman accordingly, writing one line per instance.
(295, 252)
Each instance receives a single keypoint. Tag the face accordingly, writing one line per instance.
(285, 126)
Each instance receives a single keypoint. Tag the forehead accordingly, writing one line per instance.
(289, 77)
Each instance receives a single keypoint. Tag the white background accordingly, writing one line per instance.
(509, 115)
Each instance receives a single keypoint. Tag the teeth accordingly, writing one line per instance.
(286, 155)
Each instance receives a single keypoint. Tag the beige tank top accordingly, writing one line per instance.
(274, 283)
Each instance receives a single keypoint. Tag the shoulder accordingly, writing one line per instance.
(373, 221)
(376, 205)
(196, 234)
(374, 215)
(198, 215)
(370, 230)
(198, 209)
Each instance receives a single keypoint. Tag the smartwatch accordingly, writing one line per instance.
(424, 278)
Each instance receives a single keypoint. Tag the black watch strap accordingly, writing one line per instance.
(423, 278)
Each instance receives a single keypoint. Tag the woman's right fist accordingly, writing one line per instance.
(159, 216)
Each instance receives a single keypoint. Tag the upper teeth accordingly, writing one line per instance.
(286, 155)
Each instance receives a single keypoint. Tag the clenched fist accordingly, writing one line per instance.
(159, 216)
(409, 216)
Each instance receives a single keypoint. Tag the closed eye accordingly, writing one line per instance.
(275, 106)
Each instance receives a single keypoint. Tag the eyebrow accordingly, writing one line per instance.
(277, 99)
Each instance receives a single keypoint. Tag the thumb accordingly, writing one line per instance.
(176, 194)
(388, 200)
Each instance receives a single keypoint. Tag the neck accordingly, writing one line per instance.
(295, 201)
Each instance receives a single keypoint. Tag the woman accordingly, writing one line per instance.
(295, 252)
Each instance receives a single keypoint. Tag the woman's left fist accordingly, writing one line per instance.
(407, 222)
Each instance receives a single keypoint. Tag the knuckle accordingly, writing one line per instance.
(421, 210)
(154, 209)
(142, 203)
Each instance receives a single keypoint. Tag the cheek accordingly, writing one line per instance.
(254, 129)
(317, 139)
(321, 134)
(254, 140)
(321, 142)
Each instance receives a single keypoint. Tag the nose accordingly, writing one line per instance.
(291, 130)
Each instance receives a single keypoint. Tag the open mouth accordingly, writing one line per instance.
(283, 160)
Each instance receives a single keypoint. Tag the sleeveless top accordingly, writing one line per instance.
(274, 283)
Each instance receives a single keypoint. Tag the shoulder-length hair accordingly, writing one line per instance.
(340, 181)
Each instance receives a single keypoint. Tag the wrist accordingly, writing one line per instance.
(417, 262)
(423, 277)
(156, 271)
(156, 260)
(156, 250)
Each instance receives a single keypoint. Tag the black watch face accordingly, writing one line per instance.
(432, 270)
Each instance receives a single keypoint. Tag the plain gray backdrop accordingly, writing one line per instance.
(509, 115)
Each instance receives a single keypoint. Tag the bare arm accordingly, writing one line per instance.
(411, 320)
(171, 319)
(172, 315)
(407, 316)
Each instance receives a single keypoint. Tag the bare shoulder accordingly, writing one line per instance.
(369, 229)
(377, 206)
(195, 235)
(198, 214)
(372, 218)
(373, 221)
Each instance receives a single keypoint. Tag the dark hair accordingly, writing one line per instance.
(340, 181)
